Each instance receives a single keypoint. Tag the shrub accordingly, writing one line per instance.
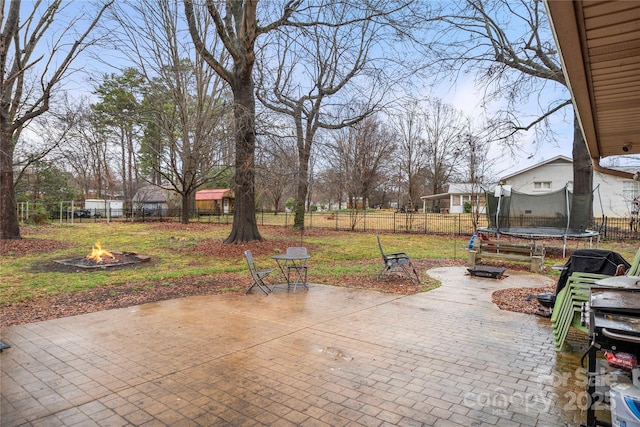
(39, 216)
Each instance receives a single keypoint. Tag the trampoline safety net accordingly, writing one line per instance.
(559, 210)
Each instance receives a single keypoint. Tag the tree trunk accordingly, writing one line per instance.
(582, 179)
(276, 205)
(245, 226)
(123, 166)
(129, 178)
(304, 152)
(187, 206)
(8, 204)
(301, 193)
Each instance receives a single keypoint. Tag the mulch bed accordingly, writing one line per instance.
(521, 300)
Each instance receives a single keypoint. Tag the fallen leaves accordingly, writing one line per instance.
(110, 297)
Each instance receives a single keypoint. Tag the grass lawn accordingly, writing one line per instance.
(194, 254)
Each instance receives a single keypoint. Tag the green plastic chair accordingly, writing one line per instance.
(634, 270)
(567, 310)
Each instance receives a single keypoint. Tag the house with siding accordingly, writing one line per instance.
(453, 201)
(613, 196)
(153, 200)
(214, 202)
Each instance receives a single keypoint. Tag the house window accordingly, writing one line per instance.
(460, 199)
(542, 185)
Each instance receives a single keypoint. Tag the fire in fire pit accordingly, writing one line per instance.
(101, 258)
(98, 255)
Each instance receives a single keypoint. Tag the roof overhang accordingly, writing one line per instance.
(599, 45)
(439, 196)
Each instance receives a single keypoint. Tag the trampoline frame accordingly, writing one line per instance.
(550, 232)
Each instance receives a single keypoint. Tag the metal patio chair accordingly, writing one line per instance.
(257, 275)
(298, 264)
(398, 262)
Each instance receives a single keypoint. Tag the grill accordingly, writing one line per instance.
(614, 325)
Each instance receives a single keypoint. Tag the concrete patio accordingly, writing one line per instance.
(324, 357)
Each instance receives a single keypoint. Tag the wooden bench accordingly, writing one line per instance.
(532, 252)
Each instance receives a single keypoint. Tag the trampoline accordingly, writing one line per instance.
(557, 215)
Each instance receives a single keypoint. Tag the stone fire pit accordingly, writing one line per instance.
(117, 259)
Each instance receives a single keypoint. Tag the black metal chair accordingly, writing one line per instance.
(397, 262)
(257, 275)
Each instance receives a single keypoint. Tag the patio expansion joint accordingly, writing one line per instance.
(89, 399)
(314, 327)
(369, 329)
(291, 332)
(461, 302)
(239, 351)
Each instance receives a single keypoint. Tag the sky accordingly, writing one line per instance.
(531, 150)
(463, 96)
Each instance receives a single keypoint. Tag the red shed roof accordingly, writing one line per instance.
(213, 194)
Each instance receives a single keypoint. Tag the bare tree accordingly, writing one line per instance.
(184, 112)
(276, 169)
(364, 149)
(86, 153)
(48, 132)
(28, 81)
(237, 26)
(411, 156)
(442, 144)
(508, 44)
(325, 77)
(331, 180)
(474, 165)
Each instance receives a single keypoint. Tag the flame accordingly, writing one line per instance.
(97, 253)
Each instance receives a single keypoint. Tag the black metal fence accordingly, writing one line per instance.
(620, 228)
(370, 221)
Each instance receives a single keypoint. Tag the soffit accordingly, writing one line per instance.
(599, 43)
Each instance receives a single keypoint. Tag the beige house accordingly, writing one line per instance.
(613, 196)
